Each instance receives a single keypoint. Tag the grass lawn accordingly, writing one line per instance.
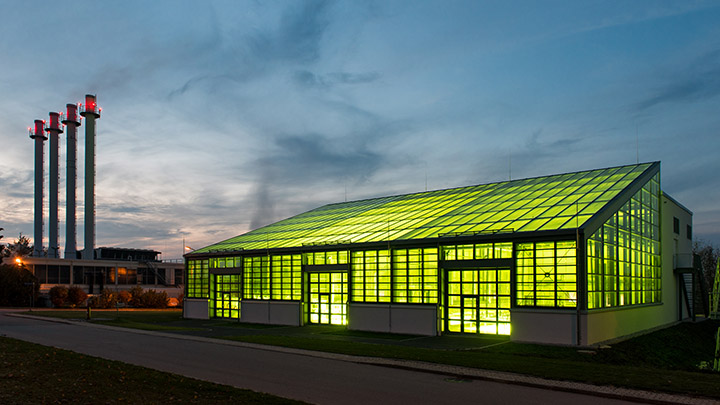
(35, 374)
(666, 360)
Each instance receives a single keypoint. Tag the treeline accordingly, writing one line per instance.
(136, 297)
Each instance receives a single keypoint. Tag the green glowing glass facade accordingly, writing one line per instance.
(415, 276)
(564, 201)
(371, 276)
(327, 297)
(623, 256)
(571, 242)
(546, 274)
(226, 294)
(478, 301)
(197, 279)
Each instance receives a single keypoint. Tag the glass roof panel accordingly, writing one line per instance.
(562, 201)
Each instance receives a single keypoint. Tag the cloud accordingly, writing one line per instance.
(297, 38)
(300, 161)
(699, 80)
(308, 79)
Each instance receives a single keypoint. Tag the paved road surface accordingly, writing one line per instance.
(311, 379)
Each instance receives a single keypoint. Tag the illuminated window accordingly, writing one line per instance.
(478, 301)
(415, 275)
(256, 278)
(546, 274)
(226, 295)
(623, 256)
(327, 296)
(197, 279)
(371, 276)
(480, 251)
(286, 277)
(322, 258)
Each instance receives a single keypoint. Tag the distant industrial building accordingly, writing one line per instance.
(576, 259)
(92, 268)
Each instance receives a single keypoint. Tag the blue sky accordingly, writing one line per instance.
(222, 116)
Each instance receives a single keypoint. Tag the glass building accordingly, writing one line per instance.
(576, 258)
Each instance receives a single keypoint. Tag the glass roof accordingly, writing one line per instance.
(556, 202)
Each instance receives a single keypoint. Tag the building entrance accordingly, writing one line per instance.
(326, 297)
(226, 294)
(478, 301)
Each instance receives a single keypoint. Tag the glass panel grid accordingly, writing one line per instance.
(226, 296)
(546, 274)
(623, 256)
(327, 296)
(520, 205)
(478, 301)
(197, 279)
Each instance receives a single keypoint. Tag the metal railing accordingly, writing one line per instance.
(683, 261)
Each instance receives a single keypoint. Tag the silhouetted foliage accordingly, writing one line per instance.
(58, 295)
(106, 299)
(20, 248)
(18, 287)
(76, 296)
(2, 246)
(136, 294)
(124, 297)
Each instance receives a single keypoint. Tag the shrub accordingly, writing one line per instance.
(76, 296)
(58, 295)
(180, 300)
(106, 299)
(136, 295)
(124, 297)
(153, 299)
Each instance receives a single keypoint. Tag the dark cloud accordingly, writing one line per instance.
(700, 80)
(308, 79)
(297, 38)
(300, 161)
(17, 183)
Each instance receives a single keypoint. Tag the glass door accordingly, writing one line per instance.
(226, 296)
(327, 296)
(478, 301)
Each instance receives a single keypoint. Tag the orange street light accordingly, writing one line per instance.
(18, 261)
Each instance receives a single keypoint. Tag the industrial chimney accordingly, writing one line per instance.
(54, 129)
(90, 112)
(38, 134)
(71, 121)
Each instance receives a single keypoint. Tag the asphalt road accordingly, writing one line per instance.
(306, 378)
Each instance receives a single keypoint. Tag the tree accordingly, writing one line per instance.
(18, 286)
(2, 246)
(20, 248)
(708, 255)
(706, 258)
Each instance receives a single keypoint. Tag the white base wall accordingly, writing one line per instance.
(601, 326)
(195, 308)
(271, 312)
(538, 326)
(407, 319)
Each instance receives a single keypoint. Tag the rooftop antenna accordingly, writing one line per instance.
(425, 176)
(510, 166)
(637, 145)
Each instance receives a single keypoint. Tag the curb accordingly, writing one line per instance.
(612, 392)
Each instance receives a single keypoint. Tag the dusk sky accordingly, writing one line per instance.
(222, 116)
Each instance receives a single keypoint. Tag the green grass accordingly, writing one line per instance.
(136, 319)
(34, 374)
